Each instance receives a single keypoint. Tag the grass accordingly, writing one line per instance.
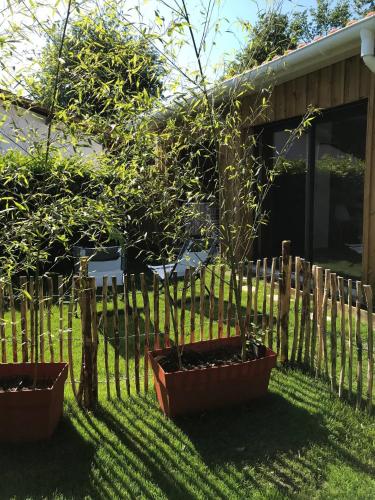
(299, 442)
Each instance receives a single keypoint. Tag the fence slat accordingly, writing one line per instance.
(264, 304)
(256, 293)
(285, 301)
(32, 319)
(146, 309)
(342, 335)
(116, 335)
(333, 331)
(70, 335)
(95, 339)
(305, 329)
(60, 284)
(327, 287)
(49, 317)
(105, 333)
(24, 325)
(370, 345)
(220, 314)
(13, 322)
(358, 338)
(296, 308)
(167, 312)
(272, 300)
(126, 331)
(212, 303)
(175, 308)
(192, 304)
(137, 347)
(321, 293)
(202, 295)
(2, 326)
(230, 305)
(41, 320)
(314, 330)
(238, 314)
(249, 279)
(183, 306)
(350, 333)
(156, 311)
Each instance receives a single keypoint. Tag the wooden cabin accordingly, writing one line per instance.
(325, 202)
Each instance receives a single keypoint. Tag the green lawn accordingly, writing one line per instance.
(299, 442)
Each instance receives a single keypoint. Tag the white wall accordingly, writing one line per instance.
(21, 129)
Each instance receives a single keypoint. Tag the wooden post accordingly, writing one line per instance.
(61, 316)
(13, 322)
(24, 332)
(221, 303)
(272, 299)
(212, 303)
(370, 345)
(296, 309)
(201, 301)
(320, 293)
(350, 328)
(156, 311)
(105, 332)
(358, 342)
(333, 331)
(230, 304)
(239, 309)
(49, 317)
(314, 330)
(146, 308)
(285, 301)
(116, 335)
(2, 325)
(126, 329)
(137, 347)
(192, 305)
(175, 306)
(264, 305)
(302, 340)
(278, 319)
(70, 335)
(324, 307)
(343, 335)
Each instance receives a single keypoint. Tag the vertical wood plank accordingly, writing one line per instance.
(127, 332)
(202, 300)
(212, 303)
(49, 317)
(319, 317)
(239, 310)
(105, 333)
(24, 325)
(32, 319)
(183, 306)
(175, 307)
(370, 345)
(192, 305)
(327, 286)
(221, 302)
(156, 311)
(41, 320)
(264, 304)
(350, 334)
(296, 308)
(70, 335)
(333, 331)
(116, 335)
(342, 335)
(285, 301)
(146, 309)
(249, 303)
(230, 305)
(137, 347)
(272, 299)
(13, 320)
(314, 324)
(167, 312)
(2, 325)
(305, 331)
(358, 342)
(256, 293)
(60, 284)
(95, 339)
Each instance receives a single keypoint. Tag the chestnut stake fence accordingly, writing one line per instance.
(312, 317)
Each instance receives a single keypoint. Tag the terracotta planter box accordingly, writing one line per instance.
(31, 415)
(194, 391)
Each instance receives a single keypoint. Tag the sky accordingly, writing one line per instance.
(221, 44)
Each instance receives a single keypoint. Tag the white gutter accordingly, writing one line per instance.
(324, 52)
(367, 48)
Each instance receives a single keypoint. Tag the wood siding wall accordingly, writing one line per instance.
(342, 83)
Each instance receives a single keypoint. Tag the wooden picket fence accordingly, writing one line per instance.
(313, 318)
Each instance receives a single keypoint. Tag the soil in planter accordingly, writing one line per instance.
(193, 360)
(23, 383)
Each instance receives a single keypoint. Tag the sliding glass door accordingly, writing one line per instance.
(317, 200)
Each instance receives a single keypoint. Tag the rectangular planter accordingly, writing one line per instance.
(194, 391)
(31, 415)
